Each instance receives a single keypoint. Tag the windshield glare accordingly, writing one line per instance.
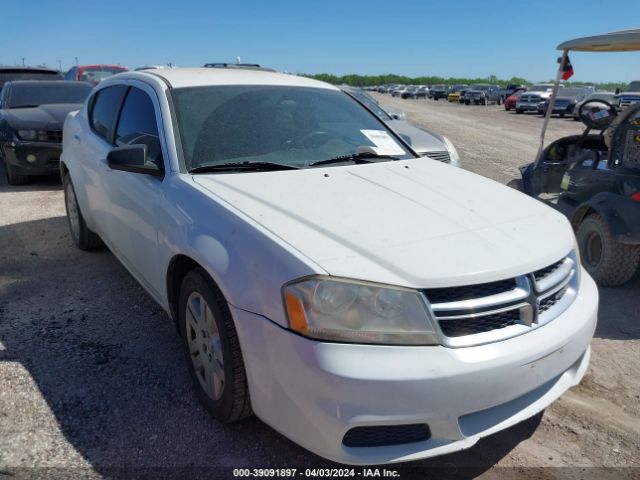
(47, 93)
(293, 126)
(540, 88)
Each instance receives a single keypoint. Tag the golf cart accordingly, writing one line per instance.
(594, 178)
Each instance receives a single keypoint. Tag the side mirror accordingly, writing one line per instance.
(132, 158)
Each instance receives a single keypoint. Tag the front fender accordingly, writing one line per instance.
(621, 214)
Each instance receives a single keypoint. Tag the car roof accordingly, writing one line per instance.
(196, 77)
(622, 41)
(102, 65)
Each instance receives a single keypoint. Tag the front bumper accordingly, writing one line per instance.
(314, 392)
(32, 158)
(528, 106)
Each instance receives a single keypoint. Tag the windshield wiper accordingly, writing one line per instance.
(360, 157)
(251, 166)
(25, 106)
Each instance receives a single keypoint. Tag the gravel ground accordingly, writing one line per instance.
(93, 381)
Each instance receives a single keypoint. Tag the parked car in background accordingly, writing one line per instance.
(372, 306)
(511, 89)
(93, 74)
(534, 97)
(409, 92)
(425, 143)
(482, 94)
(606, 96)
(566, 101)
(511, 100)
(27, 73)
(31, 116)
(422, 92)
(439, 91)
(631, 94)
(397, 92)
(456, 92)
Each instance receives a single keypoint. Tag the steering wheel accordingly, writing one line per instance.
(597, 114)
(314, 139)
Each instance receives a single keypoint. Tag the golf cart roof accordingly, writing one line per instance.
(623, 41)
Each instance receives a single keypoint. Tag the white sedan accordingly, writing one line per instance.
(370, 305)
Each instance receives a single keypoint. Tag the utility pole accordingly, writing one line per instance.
(76, 59)
(22, 61)
(60, 65)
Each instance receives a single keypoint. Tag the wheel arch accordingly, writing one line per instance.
(620, 213)
(179, 266)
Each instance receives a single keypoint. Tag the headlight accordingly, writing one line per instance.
(575, 256)
(27, 134)
(358, 312)
(453, 153)
(30, 135)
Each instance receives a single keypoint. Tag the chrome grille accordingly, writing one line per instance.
(439, 156)
(627, 100)
(54, 136)
(488, 312)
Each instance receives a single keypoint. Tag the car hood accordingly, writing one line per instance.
(416, 223)
(631, 93)
(46, 117)
(420, 140)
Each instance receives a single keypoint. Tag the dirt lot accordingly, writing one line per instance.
(93, 381)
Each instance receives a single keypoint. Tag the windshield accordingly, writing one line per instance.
(293, 126)
(540, 88)
(572, 92)
(36, 93)
(97, 74)
(633, 87)
(480, 87)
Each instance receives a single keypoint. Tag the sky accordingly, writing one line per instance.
(464, 38)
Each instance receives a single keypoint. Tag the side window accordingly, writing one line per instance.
(137, 124)
(104, 107)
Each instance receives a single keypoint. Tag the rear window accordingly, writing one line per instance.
(98, 73)
(6, 76)
(36, 94)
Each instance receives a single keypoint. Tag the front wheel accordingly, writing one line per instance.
(609, 262)
(213, 349)
(519, 110)
(13, 177)
(82, 236)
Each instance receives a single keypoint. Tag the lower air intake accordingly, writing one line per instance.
(381, 436)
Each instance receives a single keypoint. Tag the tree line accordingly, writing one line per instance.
(371, 80)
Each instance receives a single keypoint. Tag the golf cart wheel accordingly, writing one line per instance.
(516, 184)
(609, 262)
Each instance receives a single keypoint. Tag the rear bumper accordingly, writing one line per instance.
(33, 158)
(315, 392)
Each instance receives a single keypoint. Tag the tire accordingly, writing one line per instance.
(13, 177)
(516, 184)
(609, 262)
(84, 238)
(213, 352)
(498, 101)
(467, 102)
(518, 110)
